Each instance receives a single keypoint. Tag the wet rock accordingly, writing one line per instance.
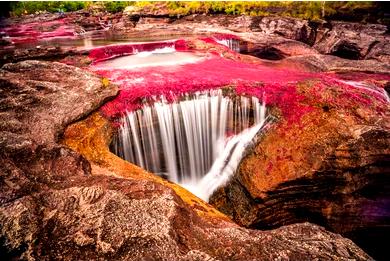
(109, 218)
(48, 53)
(51, 207)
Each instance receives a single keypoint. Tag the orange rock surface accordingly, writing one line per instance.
(91, 138)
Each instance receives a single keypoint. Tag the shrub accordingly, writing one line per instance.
(116, 6)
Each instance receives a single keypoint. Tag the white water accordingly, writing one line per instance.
(370, 88)
(146, 59)
(232, 44)
(225, 164)
(167, 49)
(197, 142)
(166, 56)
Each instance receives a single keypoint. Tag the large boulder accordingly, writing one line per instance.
(57, 204)
(272, 47)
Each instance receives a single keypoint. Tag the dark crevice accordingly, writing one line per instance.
(347, 51)
(374, 241)
(267, 53)
(14, 254)
(387, 88)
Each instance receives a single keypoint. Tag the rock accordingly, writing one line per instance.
(36, 53)
(272, 47)
(289, 28)
(101, 217)
(41, 98)
(150, 21)
(351, 40)
(38, 99)
(324, 63)
(334, 172)
(380, 51)
(51, 207)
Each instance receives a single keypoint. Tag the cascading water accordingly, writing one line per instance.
(232, 44)
(197, 141)
(164, 56)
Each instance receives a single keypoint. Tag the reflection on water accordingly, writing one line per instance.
(95, 40)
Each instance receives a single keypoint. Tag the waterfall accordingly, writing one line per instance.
(232, 44)
(200, 137)
(162, 50)
(166, 56)
(225, 164)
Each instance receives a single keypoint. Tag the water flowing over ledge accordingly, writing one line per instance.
(198, 138)
(166, 56)
(225, 164)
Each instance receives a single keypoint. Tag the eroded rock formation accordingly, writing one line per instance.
(53, 205)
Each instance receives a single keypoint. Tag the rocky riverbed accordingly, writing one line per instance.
(314, 186)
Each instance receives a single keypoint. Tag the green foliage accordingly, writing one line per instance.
(116, 6)
(31, 7)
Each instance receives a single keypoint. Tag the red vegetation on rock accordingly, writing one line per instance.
(293, 92)
(34, 31)
(148, 84)
(111, 51)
